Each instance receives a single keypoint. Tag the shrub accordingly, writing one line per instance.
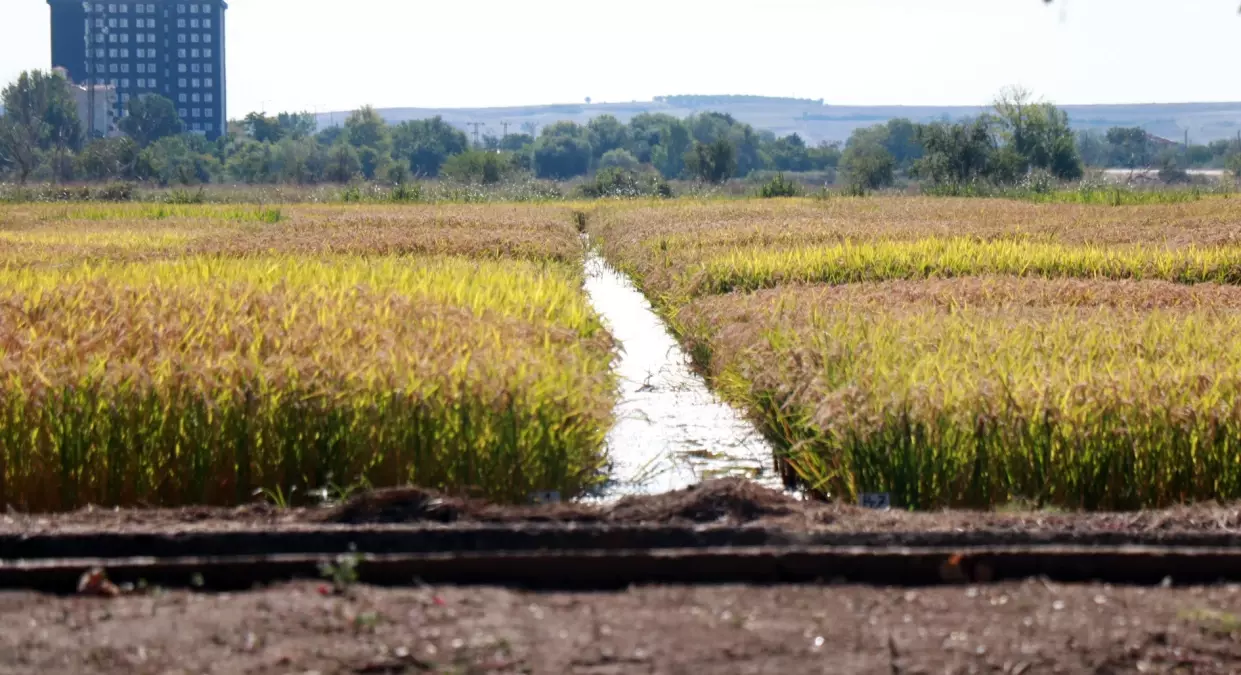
(619, 159)
(485, 167)
(779, 187)
(622, 183)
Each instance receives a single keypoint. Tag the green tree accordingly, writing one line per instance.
(272, 129)
(563, 151)
(19, 147)
(330, 135)
(902, 142)
(479, 166)
(301, 160)
(747, 145)
(297, 125)
(661, 140)
(824, 156)
(1233, 163)
(150, 118)
(1129, 147)
(619, 158)
(789, 154)
(424, 145)
(516, 142)
(606, 133)
(262, 128)
(955, 154)
(713, 162)
(342, 163)
(41, 118)
(109, 159)
(1038, 133)
(367, 133)
(708, 127)
(173, 160)
(1094, 149)
(898, 136)
(868, 166)
(252, 162)
(365, 128)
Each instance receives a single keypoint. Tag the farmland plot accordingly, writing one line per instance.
(182, 355)
(964, 352)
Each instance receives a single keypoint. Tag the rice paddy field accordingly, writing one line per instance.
(171, 355)
(963, 353)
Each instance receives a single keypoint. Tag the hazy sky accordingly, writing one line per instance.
(334, 54)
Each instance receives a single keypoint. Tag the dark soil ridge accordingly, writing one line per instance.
(729, 501)
(723, 513)
(616, 569)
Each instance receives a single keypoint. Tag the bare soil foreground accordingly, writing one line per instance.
(1032, 627)
(341, 626)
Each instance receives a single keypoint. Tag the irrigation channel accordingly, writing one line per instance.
(671, 431)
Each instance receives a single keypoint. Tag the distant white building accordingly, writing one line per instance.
(104, 103)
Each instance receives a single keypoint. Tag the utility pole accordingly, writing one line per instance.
(505, 126)
(476, 126)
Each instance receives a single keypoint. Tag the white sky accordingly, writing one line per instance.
(339, 54)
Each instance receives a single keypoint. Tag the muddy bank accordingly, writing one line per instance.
(722, 502)
(1031, 627)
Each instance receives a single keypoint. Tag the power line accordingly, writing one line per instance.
(476, 126)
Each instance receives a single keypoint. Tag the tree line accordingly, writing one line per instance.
(41, 138)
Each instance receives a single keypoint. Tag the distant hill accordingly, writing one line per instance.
(817, 121)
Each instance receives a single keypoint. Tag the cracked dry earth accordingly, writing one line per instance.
(1031, 627)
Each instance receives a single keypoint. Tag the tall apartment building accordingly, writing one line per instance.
(174, 48)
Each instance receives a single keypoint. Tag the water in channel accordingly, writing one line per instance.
(671, 431)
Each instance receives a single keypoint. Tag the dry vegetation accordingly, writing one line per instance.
(175, 355)
(965, 353)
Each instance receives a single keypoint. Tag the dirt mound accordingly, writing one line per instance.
(410, 505)
(731, 499)
(398, 505)
(728, 499)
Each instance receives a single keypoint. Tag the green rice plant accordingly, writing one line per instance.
(978, 393)
(181, 354)
(852, 262)
(202, 380)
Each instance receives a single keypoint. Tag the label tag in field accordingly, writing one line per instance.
(545, 497)
(880, 501)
